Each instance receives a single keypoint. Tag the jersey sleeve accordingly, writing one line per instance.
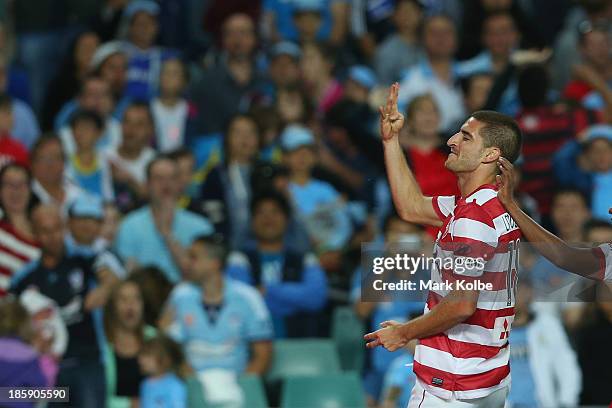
(474, 241)
(259, 324)
(604, 254)
(443, 205)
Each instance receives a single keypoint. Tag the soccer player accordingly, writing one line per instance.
(462, 355)
(592, 263)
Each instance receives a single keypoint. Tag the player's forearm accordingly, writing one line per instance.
(447, 314)
(407, 195)
(580, 261)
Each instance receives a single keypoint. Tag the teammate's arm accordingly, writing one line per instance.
(581, 261)
(409, 201)
(452, 310)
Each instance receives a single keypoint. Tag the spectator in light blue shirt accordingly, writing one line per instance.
(159, 233)
(587, 166)
(319, 16)
(401, 308)
(222, 323)
(399, 380)
(292, 282)
(160, 360)
(500, 38)
(437, 73)
(545, 370)
(316, 202)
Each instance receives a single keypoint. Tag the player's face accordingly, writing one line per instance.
(467, 148)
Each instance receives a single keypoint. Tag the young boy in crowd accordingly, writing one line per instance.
(320, 206)
(11, 150)
(161, 360)
(87, 168)
(144, 57)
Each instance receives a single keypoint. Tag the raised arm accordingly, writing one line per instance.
(581, 261)
(409, 201)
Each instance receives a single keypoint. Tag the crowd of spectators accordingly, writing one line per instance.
(183, 182)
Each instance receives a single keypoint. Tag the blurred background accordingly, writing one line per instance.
(185, 186)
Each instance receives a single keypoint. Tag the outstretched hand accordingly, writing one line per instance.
(390, 336)
(391, 120)
(506, 182)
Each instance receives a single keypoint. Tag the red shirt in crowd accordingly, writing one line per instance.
(431, 175)
(16, 251)
(545, 130)
(12, 151)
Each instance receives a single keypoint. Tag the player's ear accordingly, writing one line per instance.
(491, 154)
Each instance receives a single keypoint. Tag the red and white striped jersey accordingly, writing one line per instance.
(470, 360)
(604, 253)
(15, 253)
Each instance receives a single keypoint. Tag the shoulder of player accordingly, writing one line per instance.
(483, 202)
(243, 292)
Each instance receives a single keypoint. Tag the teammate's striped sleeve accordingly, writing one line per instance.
(604, 253)
(443, 205)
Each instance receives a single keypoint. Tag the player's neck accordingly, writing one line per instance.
(469, 182)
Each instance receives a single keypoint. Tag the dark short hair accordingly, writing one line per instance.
(157, 159)
(394, 216)
(137, 104)
(180, 153)
(499, 13)
(274, 196)
(42, 141)
(89, 77)
(500, 131)
(571, 191)
(214, 246)
(594, 223)
(466, 82)
(83, 115)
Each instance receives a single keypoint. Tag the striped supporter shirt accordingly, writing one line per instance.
(16, 252)
(470, 360)
(604, 253)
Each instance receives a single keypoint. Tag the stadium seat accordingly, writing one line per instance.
(325, 391)
(347, 332)
(254, 393)
(303, 357)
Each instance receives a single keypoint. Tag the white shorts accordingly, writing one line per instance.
(420, 398)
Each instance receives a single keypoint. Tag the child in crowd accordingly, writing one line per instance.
(170, 109)
(320, 206)
(87, 167)
(144, 57)
(21, 365)
(11, 150)
(162, 360)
